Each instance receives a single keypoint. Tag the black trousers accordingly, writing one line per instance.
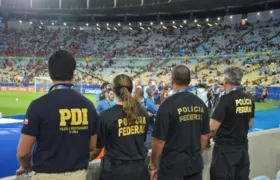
(230, 163)
(124, 170)
(196, 176)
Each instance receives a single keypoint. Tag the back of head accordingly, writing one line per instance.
(149, 92)
(102, 95)
(139, 92)
(103, 86)
(61, 66)
(122, 85)
(181, 75)
(233, 75)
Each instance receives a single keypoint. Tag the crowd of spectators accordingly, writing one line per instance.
(191, 40)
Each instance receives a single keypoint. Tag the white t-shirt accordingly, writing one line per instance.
(202, 94)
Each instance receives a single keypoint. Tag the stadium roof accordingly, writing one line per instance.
(114, 7)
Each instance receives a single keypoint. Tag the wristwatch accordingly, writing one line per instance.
(152, 169)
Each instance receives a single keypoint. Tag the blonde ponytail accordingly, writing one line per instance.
(130, 105)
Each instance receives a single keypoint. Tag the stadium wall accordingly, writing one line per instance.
(264, 153)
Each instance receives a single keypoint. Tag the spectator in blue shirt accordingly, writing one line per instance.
(160, 91)
(108, 102)
(101, 96)
(151, 108)
(155, 95)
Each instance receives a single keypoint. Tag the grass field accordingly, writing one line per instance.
(9, 106)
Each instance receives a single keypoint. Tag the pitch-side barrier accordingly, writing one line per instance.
(264, 150)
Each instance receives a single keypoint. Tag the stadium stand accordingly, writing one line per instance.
(150, 45)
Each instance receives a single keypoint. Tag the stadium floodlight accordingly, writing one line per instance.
(195, 20)
(42, 23)
(207, 20)
(198, 25)
(119, 24)
(175, 27)
(185, 21)
(115, 29)
(140, 24)
(107, 24)
(164, 27)
(149, 28)
(151, 23)
(271, 12)
(97, 24)
(74, 28)
(86, 24)
(209, 24)
(129, 24)
(218, 18)
(108, 29)
(230, 17)
(173, 22)
(20, 21)
(31, 22)
(181, 26)
(130, 28)
(142, 28)
(64, 24)
(40, 27)
(161, 23)
(258, 13)
(52, 23)
(98, 29)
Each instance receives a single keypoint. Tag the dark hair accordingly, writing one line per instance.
(165, 87)
(181, 75)
(122, 85)
(61, 66)
(109, 90)
(102, 96)
(104, 85)
(139, 91)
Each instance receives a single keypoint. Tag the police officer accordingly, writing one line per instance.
(180, 132)
(230, 122)
(62, 123)
(108, 102)
(122, 132)
(151, 108)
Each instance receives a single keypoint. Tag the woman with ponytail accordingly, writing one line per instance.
(122, 133)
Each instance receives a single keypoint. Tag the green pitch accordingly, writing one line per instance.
(9, 106)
